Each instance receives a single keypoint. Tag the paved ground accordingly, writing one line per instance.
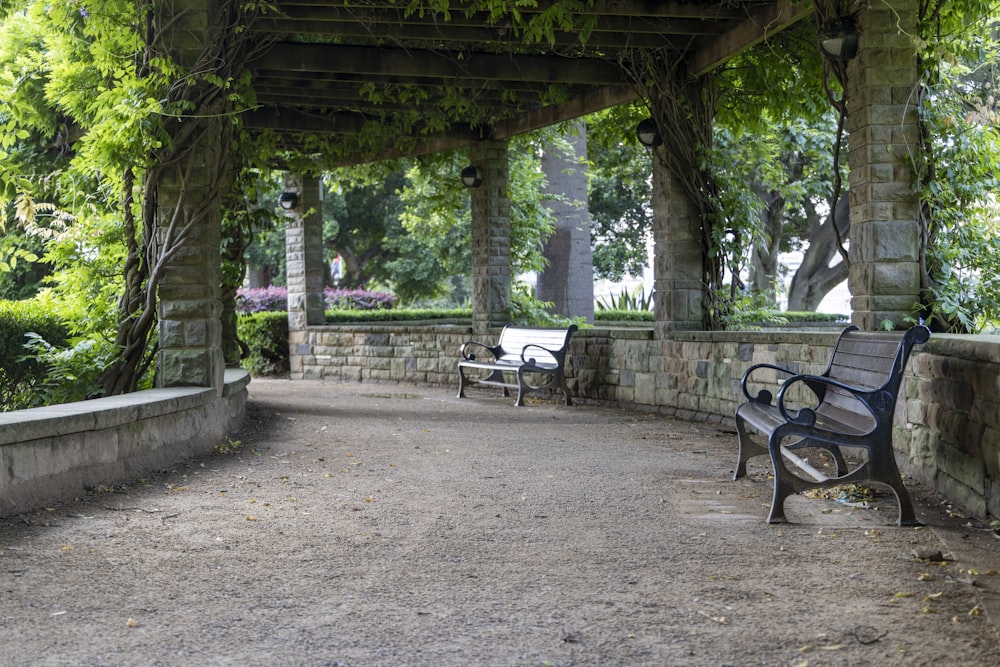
(371, 525)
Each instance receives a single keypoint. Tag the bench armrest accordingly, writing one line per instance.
(531, 360)
(807, 416)
(764, 396)
(469, 356)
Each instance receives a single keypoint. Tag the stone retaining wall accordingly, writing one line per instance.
(58, 452)
(948, 426)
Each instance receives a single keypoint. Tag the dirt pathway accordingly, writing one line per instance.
(370, 525)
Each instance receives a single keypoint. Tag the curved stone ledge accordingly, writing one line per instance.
(58, 452)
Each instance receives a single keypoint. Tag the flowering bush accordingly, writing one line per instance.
(357, 299)
(260, 299)
(273, 298)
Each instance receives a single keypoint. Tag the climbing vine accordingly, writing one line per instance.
(683, 109)
(116, 103)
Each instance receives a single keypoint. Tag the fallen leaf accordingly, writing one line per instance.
(904, 595)
(976, 611)
(251, 518)
(132, 623)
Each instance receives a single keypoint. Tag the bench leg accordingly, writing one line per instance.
(748, 448)
(565, 389)
(782, 489)
(883, 469)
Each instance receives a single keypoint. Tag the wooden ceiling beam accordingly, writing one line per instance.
(583, 104)
(294, 120)
(599, 39)
(475, 28)
(766, 22)
(655, 8)
(395, 84)
(336, 59)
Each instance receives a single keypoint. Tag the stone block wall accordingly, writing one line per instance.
(421, 355)
(58, 452)
(947, 425)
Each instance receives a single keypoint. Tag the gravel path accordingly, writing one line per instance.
(384, 525)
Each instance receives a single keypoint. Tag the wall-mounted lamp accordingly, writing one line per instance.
(648, 133)
(838, 38)
(472, 177)
(288, 200)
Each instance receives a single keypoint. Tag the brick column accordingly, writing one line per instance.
(677, 255)
(303, 265)
(882, 124)
(491, 274)
(189, 226)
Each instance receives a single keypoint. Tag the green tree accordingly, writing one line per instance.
(959, 164)
(360, 219)
(619, 194)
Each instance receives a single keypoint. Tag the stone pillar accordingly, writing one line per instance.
(188, 231)
(304, 253)
(568, 280)
(303, 266)
(882, 125)
(491, 274)
(677, 255)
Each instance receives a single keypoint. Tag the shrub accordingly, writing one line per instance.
(273, 299)
(71, 373)
(357, 299)
(261, 299)
(603, 315)
(266, 337)
(464, 315)
(636, 300)
(21, 373)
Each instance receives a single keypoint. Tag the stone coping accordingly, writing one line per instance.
(102, 413)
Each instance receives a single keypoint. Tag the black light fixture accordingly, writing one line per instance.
(288, 200)
(472, 177)
(838, 38)
(648, 133)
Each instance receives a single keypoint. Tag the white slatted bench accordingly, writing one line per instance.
(528, 353)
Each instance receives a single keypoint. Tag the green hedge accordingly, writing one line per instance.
(623, 316)
(340, 316)
(265, 335)
(21, 375)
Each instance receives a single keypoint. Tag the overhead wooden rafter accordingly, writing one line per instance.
(336, 67)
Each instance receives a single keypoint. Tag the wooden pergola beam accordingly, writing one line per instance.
(768, 21)
(385, 62)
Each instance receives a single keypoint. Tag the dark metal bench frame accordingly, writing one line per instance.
(521, 351)
(855, 400)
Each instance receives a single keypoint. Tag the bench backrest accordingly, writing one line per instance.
(873, 361)
(513, 341)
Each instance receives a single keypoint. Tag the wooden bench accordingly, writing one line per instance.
(525, 352)
(850, 405)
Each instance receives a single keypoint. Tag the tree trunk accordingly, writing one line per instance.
(764, 261)
(815, 277)
(568, 280)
